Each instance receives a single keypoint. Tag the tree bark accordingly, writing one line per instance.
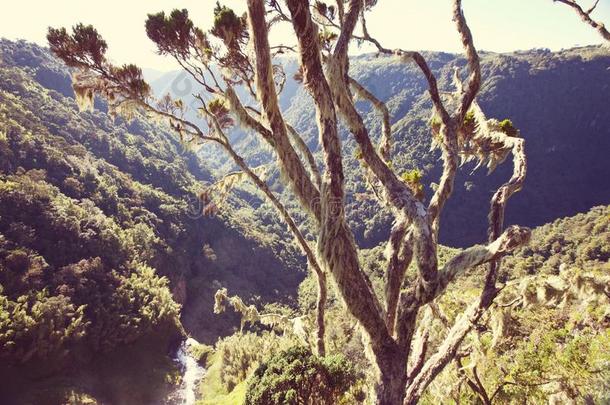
(300, 181)
(320, 311)
(390, 389)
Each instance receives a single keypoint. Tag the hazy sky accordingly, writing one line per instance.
(497, 25)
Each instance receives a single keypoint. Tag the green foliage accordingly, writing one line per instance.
(83, 47)
(131, 77)
(140, 303)
(413, 178)
(219, 109)
(326, 38)
(581, 241)
(39, 326)
(240, 354)
(435, 123)
(469, 119)
(228, 26)
(89, 206)
(469, 125)
(508, 128)
(545, 352)
(296, 376)
(200, 352)
(172, 34)
(552, 340)
(86, 202)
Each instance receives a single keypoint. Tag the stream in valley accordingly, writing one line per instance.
(192, 373)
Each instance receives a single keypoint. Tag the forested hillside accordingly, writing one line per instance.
(102, 238)
(546, 338)
(558, 100)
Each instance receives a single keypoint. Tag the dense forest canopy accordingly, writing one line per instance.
(88, 208)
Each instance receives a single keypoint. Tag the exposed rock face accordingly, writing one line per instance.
(179, 291)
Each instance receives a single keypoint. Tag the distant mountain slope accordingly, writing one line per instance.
(559, 101)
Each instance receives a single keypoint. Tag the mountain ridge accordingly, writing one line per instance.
(552, 97)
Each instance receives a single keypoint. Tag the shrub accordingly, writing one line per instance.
(508, 128)
(200, 352)
(140, 303)
(241, 354)
(38, 325)
(413, 179)
(296, 376)
(17, 261)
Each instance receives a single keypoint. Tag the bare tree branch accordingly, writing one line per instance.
(419, 60)
(348, 24)
(418, 353)
(304, 149)
(449, 131)
(399, 254)
(444, 354)
(302, 242)
(514, 237)
(586, 17)
(247, 120)
(385, 143)
(476, 386)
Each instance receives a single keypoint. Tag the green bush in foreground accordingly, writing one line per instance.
(296, 376)
(241, 354)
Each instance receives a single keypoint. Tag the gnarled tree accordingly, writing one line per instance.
(240, 46)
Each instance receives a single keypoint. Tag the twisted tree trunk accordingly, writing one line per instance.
(390, 329)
